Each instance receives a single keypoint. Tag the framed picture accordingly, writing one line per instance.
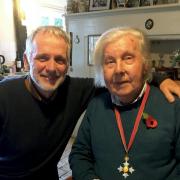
(121, 3)
(96, 5)
(92, 39)
(133, 3)
(147, 2)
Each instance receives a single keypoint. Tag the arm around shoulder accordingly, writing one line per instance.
(169, 87)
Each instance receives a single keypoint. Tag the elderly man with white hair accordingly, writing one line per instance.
(131, 131)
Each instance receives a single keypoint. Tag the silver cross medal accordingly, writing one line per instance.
(126, 169)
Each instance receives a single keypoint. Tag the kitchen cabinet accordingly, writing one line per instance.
(161, 23)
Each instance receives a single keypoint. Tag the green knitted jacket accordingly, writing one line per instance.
(155, 153)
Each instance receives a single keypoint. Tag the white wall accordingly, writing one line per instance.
(7, 34)
(60, 3)
(7, 31)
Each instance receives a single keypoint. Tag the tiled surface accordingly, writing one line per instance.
(63, 165)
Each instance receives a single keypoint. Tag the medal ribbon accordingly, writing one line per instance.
(136, 125)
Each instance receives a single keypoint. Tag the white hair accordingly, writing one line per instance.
(52, 30)
(112, 35)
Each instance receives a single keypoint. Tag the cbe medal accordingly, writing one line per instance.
(126, 169)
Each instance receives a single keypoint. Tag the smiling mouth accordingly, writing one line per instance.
(51, 79)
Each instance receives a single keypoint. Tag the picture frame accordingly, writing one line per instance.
(147, 2)
(133, 3)
(121, 3)
(96, 5)
(92, 39)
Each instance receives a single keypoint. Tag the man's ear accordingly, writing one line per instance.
(26, 63)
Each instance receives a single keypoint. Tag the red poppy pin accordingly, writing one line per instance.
(150, 121)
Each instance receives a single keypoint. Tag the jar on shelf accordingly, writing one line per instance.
(87, 5)
(81, 6)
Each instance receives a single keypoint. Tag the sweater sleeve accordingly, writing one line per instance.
(177, 148)
(158, 78)
(81, 158)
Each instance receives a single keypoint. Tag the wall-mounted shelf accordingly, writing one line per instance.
(132, 10)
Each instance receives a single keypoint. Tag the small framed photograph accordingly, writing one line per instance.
(121, 3)
(147, 2)
(92, 39)
(96, 5)
(133, 3)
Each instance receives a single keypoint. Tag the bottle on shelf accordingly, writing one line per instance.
(18, 62)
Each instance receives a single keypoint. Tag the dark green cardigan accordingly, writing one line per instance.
(155, 154)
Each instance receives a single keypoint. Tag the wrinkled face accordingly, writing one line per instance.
(123, 68)
(48, 64)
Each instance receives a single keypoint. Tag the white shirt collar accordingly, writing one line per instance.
(116, 100)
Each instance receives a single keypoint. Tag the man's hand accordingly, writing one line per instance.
(170, 88)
